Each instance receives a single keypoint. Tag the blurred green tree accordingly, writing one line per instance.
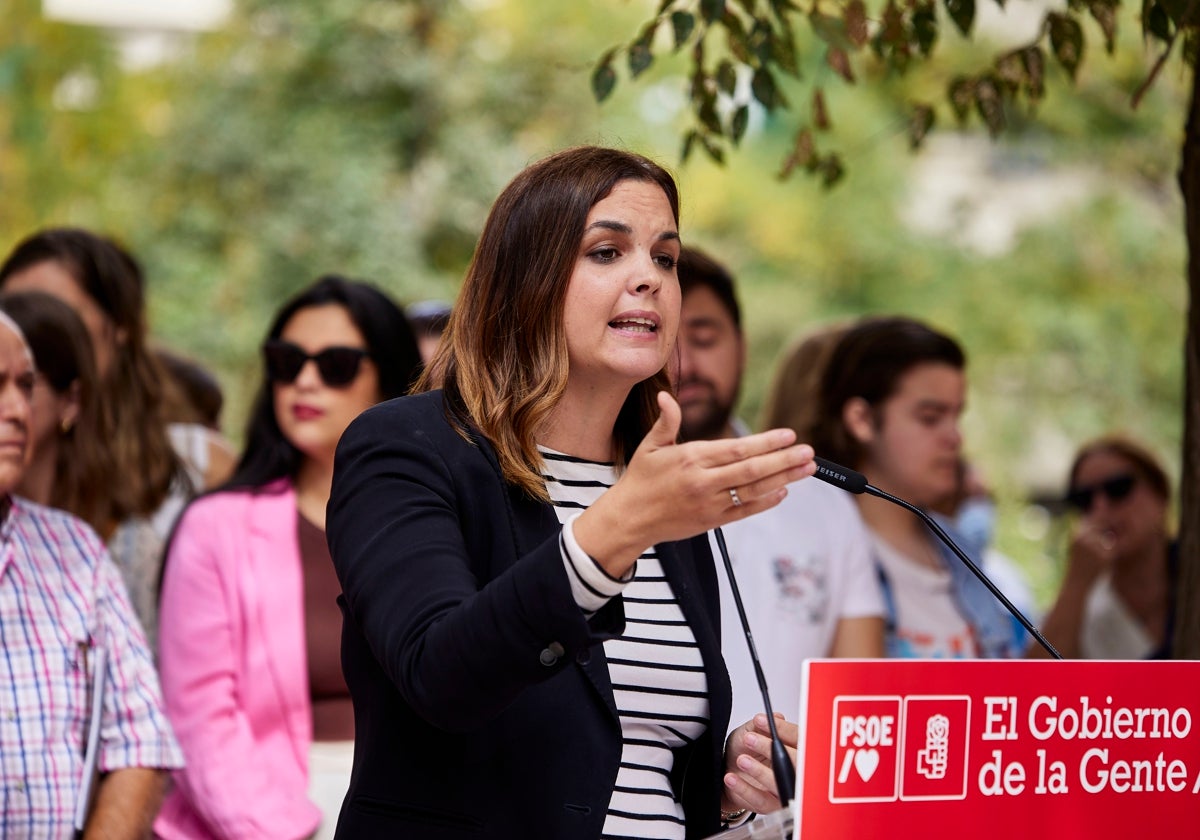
(739, 51)
(62, 115)
(369, 137)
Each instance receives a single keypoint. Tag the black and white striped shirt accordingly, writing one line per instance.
(656, 668)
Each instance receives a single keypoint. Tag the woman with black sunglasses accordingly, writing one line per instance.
(249, 645)
(1117, 598)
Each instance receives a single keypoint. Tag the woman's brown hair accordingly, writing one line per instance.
(62, 351)
(503, 358)
(791, 401)
(131, 395)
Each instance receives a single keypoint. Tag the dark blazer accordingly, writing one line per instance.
(482, 700)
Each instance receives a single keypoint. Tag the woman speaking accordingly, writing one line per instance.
(530, 607)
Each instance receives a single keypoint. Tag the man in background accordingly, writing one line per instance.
(68, 632)
(803, 568)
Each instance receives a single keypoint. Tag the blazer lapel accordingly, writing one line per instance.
(532, 522)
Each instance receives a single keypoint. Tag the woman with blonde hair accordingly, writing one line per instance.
(531, 631)
(1117, 599)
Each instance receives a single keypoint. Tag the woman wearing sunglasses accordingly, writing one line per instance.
(1117, 599)
(250, 633)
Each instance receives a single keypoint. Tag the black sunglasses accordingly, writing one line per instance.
(1115, 488)
(338, 366)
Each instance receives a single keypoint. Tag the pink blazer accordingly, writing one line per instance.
(235, 672)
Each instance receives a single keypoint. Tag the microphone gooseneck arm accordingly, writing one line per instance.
(856, 482)
(785, 773)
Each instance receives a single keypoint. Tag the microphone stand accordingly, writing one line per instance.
(785, 773)
(856, 482)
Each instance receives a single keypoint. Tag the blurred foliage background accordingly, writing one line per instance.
(368, 137)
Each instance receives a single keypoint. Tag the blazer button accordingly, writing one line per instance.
(584, 656)
(551, 654)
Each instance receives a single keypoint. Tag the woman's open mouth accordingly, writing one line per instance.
(634, 325)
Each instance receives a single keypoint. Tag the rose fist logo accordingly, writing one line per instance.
(934, 747)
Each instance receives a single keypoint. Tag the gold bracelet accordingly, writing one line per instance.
(730, 816)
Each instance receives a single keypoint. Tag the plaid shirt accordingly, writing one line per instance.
(60, 597)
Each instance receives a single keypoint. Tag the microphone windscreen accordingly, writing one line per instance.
(839, 476)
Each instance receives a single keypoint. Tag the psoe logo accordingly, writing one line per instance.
(933, 748)
(864, 755)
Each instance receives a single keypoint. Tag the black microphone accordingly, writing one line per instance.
(856, 482)
(785, 773)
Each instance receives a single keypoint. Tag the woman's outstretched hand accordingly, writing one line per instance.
(673, 491)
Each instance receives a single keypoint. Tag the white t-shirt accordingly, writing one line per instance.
(801, 567)
(929, 624)
(1110, 630)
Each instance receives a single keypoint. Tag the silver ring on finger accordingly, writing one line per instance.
(733, 494)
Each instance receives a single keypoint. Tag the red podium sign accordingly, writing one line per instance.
(990, 749)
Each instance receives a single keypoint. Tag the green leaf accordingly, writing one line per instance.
(764, 89)
(1066, 40)
(714, 151)
(891, 42)
(1191, 48)
(1104, 12)
(759, 40)
(1010, 70)
(689, 142)
(783, 52)
(831, 170)
(640, 58)
(831, 30)
(726, 77)
(961, 93)
(706, 112)
(645, 38)
(819, 111)
(802, 155)
(1035, 72)
(604, 78)
(855, 19)
(919, 124)
(737, 125)
(839, 61)
(925, 27)
(712, 10)
(682, 24)
(737, 39)
(1156, 21)
(990, 105)
(962, 12)
(892, 31)
(1181, 12)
